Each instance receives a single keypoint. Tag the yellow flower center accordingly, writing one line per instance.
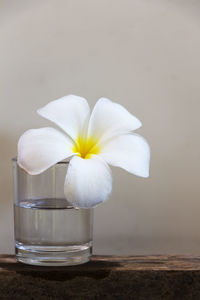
(85, 147)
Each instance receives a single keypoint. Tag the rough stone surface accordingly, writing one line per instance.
(138, 277)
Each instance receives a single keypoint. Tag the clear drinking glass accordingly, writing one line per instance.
(48, 230)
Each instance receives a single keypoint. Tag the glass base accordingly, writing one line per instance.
(53, 255)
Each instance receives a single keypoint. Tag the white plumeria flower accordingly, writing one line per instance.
(92, 141)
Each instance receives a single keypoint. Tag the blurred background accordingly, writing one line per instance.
(143, 54)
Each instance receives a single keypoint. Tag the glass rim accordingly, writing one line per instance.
(64, 162)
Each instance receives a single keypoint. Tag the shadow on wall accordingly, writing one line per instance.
(8, 150)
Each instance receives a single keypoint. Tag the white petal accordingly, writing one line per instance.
(71, 113)
(130, 152)
(88, 182)
(109, 119)
(39, 149)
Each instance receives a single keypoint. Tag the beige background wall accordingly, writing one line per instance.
(143, 54)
